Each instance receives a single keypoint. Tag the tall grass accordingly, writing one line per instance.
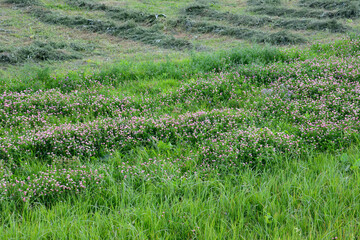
(315, 198)
(197, 63)
(114, 74)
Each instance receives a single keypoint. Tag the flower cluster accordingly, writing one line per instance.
(29, 109)
(51, 184)
(232, 119)
(252, 146)
(99, 136)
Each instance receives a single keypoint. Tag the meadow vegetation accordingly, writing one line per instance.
(257, 142)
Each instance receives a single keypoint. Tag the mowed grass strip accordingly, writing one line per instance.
(23, 2)
(305, 12)
(329, 4)
(261, 21)
(258, 36)
(39, 51)
(117, 13)
(128, 30)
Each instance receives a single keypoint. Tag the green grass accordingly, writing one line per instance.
(313, 198)
(116, 73)
(252, 142)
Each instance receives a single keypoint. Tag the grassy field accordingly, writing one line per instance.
(179, 119)
(78, 34)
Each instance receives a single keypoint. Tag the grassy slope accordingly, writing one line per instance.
(22, 29)
(162, 190)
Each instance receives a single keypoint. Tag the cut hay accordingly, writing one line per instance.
(261, 21)
(128, 30)
(279, 38)
(304, 12)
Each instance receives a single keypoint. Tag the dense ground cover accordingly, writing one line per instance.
(254, 143)
(99, 141)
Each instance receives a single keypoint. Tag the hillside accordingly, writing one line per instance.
(80, 33)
